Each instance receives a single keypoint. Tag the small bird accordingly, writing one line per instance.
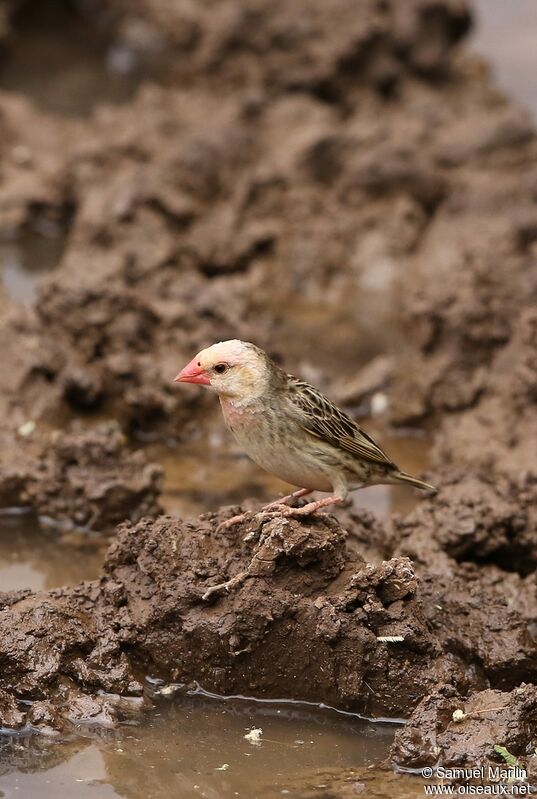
(290, 429)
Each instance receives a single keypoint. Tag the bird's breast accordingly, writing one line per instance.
(274, 445)
(241, 419)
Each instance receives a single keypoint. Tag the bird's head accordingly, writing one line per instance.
(234, 369)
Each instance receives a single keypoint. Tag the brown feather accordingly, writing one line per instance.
(323, 419)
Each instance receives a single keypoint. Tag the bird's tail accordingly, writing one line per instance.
(403, 477)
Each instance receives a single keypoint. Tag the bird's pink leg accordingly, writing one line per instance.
(302, 492)
(241, 516)
(225, 525)
(312, 507)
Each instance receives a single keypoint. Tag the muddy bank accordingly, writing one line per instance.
(207, 213)
(486, 519)
(212, 239)
(462, 733)
(305, 621)
(368, 180)
(85, 479)
(277, 49)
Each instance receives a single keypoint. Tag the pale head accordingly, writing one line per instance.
(234, 369)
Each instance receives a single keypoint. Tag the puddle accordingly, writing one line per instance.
(64, 58)
(41, 558)
(207, 473)
(411, 452)
(360, 319)
(505, 35)
(25, 259)
(192, 748)
(304, 319)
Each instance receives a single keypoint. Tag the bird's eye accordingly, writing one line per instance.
(220, 368)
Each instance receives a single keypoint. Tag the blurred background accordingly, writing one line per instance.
(351, 186)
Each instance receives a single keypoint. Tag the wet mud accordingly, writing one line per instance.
(82, 479)
(354, 194)
(458, 731)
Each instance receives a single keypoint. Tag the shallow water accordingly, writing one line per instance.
(67, 61)
(25, 259)
(193, 747)
(505, 35)
(42, 557)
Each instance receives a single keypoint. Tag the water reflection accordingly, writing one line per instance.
(505, 35)
(197, 748)
(36, 557)
(25, 259)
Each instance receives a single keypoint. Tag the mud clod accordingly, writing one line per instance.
(81, 479)
(492, 719)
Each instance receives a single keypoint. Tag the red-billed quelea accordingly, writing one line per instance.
(289, 428)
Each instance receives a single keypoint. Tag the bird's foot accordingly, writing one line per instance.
(311, 507)
(240, 517)
(302, 492)
(227, 523)
(226, 586)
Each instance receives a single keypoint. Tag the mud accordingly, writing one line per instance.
(506, 719)
(203, 211)
(305, 622)
(354, 194)
(80, 479)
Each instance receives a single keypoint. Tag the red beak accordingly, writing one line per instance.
(192, 373)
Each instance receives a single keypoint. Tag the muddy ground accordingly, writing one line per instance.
(351, 181)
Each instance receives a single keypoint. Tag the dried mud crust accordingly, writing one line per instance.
(306, 623)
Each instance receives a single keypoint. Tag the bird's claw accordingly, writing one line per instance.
(274, 510)
(278, 509)
(231, 522)
(285, 510)
(311, 507)
(304, 511)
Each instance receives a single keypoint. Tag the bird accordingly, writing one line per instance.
(290, 429)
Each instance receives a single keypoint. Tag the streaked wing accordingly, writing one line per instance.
(326, 421)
